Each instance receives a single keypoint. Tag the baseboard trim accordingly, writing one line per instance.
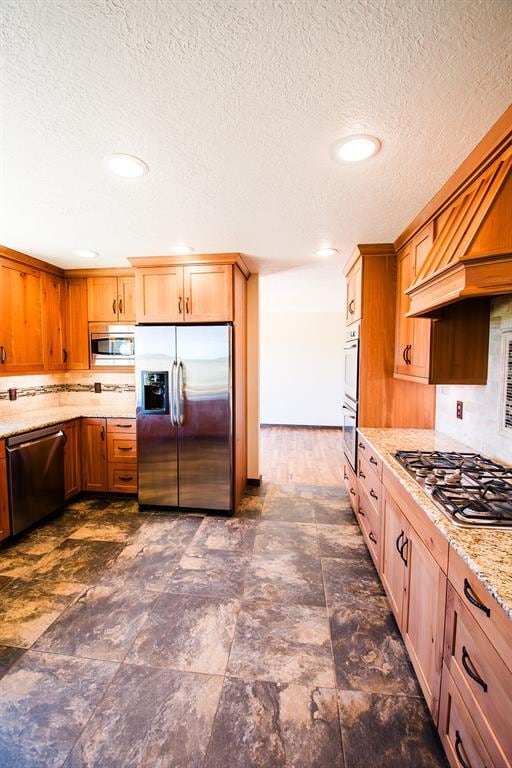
(303, 426)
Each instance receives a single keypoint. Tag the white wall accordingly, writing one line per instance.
(301, 346)
(482, 427)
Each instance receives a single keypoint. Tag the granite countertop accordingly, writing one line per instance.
(46, 417)
(488, 553)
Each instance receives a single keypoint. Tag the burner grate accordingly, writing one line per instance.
(470, 488)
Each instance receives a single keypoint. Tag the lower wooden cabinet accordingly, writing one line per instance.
(122, 478)
(72, 459)
(461, 741)
(94, 454)
(5, 526)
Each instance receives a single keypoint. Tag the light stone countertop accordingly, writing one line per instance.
(46, 417)
(487, 552)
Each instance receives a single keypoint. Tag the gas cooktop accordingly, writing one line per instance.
(471, 490)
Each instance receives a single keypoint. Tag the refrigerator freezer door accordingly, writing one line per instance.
(157, 435)
(204, 412)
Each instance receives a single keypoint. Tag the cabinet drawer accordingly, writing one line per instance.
(121, 448)
(123, 426)
(350, 481)
(369, 520)
(368, 479)
(460, 738)
(365, 449)
(482, 678)
(490, 617)
(122, 477)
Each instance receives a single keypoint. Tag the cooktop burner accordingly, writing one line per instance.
(469, 488)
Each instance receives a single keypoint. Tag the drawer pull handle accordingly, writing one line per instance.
(352, 492)
(360, 512)
(458, 750)
(125, 479)
(468, 666)
(362, 474)
(124, 426)
(345, 476)
(373, 461)
(124, 448)
(474, 600)
(397, 542)
(373, 494)
(372, 537)
(406, 542)
(362, 445)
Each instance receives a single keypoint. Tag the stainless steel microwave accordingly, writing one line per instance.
(111, 345)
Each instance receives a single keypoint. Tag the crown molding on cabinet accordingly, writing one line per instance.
(196, 258)
(30, 261)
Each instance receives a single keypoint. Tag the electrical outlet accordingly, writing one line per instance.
(460, 409)
(97, 387)
(13, 395)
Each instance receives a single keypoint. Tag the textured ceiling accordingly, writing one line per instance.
(234, 104)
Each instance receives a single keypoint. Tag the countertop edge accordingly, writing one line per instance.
(27, 425)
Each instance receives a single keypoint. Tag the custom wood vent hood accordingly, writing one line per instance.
(471, 255)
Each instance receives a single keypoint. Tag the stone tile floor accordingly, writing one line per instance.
(134, 639)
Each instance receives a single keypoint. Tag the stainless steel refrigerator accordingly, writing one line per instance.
(184, 416)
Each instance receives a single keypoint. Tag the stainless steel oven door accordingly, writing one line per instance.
(350, 434)
(351, 373)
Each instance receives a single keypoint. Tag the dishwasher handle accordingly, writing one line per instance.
(36, 441)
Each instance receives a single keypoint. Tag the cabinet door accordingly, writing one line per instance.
(54, 311)
(159, 294)
(94, 454)
(21, 319)
(404, 325)
(394, 532)
(102, 299)
(77, 332)
(5, 527)
(421, 328)
(354, 297)
(72, 458)
(208, 293)
(423, 617)
(126, 299)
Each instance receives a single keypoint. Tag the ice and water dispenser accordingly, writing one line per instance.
(155, 392)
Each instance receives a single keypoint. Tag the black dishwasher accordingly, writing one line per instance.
(35, 462)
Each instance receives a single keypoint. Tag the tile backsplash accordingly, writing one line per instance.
(35, 393)
(483, 426)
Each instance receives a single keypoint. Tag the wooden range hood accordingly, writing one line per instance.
(472, 251)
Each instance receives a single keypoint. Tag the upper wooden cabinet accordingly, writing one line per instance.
(22, 349)
(176, 294)
(77, 336)
(111, 299)
(354, 293)
(54, 322)
(412, 344)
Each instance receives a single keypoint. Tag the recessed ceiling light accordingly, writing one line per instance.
(182, 250)
(87, 254)
(352, 149)
(324, 253)
(126, 165)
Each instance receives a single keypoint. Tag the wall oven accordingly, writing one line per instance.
(351, 362)
(350, 402)
(350, 433)
(111, 345)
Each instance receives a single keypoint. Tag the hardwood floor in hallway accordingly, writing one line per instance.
(301, 455)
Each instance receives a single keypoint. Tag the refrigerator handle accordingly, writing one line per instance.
(172, 398)
(180, 415)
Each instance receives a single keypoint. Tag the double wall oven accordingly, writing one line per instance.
(350, 401)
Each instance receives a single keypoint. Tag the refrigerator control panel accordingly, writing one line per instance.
(155, 392)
